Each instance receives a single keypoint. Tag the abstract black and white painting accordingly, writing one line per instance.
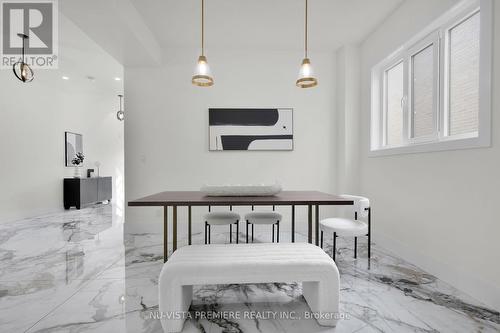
(250, 129)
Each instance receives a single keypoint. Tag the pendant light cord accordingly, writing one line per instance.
(24, 39)
(202, 27)
(305, 41)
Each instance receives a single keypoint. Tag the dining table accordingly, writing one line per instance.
(189, 199)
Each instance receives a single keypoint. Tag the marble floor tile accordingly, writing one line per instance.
(86, 275)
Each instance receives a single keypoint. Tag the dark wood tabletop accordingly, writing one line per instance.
(198, 198)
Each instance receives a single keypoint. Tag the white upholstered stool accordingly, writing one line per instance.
(269, 218)
(346, 227)
(222, 218)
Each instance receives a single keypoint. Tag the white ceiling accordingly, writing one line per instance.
(276, 24)
(117, 27)
(137, 32)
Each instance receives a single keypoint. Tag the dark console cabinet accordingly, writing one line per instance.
(80, 192)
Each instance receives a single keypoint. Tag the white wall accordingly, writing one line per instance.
(166, 132)
(438, 210)
(347, 123)
(34, 117)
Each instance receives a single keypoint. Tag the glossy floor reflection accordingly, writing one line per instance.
(77, 272)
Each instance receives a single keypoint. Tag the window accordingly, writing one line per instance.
(434, 92)
(394, 109)
(463, 76)
(423, 94)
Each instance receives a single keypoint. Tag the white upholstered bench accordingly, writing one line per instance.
(248, 263)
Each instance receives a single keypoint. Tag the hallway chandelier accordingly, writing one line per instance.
(120, 115)
(306, 78)
(21, 69)
(202, 76)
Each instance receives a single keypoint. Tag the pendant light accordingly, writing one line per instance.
(21, 69)
(120, 115)
(202, 76)
(306, 77)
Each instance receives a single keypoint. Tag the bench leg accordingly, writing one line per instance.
(174, 300)
(323, 297)
(230, 233)
(273, 233)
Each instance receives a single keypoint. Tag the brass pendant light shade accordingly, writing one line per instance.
(202, 76)
(306, 77)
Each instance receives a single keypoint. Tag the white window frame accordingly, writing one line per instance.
(437, 33)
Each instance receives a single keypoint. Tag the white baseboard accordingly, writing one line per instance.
(459, 277)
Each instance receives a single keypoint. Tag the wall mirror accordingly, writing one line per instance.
(73, 145)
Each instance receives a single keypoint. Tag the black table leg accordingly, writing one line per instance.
(293, 223)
